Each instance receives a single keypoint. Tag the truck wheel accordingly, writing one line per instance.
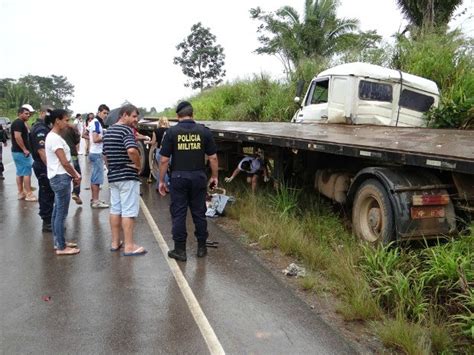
(372, 213)
(153, 164)
(143, 151)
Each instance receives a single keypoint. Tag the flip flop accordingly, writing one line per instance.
(137, 252)
(118, 248)
(68, 251)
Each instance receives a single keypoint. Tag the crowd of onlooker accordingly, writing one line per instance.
(51, 148)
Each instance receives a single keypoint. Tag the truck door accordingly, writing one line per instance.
(340, 100)
(315, 105)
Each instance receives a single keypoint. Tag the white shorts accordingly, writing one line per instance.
(125, 198)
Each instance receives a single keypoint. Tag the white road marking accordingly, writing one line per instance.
(207, 332)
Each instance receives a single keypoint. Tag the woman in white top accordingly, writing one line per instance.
(60, 174)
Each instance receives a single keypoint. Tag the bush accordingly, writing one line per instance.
(448, 60)
(257, 99)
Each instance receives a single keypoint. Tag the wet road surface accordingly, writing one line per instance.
(101, 302)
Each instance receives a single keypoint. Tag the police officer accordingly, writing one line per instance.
(45, 195)
(187, 143)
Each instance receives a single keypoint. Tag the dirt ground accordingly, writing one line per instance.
(324, 304)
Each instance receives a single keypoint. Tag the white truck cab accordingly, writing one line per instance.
(362, 93)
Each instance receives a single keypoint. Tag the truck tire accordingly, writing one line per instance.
(153, 164)
(372, 213)
(143, 151)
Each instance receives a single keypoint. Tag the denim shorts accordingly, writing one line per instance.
(23, 164)
(125, 198)
(97, 174)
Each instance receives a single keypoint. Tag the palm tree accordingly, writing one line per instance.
(291, 39)
(428, 13)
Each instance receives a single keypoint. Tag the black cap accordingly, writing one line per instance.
(181, 105)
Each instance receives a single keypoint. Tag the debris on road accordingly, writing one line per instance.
(216, 202)
(294, 270)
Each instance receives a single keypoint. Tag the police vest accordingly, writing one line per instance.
(188, 148)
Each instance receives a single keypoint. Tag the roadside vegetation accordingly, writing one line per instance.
(417, 300)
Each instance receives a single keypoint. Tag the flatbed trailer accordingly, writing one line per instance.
(399, 183)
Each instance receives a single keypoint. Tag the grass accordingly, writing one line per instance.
(398, 289)
(254, 99)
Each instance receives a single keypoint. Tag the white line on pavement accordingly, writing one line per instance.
(207, 332)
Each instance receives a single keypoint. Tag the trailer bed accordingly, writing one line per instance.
(435, 148)
(443, 149)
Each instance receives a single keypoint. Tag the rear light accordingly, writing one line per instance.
(430, 200)
(427, 212)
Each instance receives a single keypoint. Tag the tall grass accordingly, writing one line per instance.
(419, 299)
(255, 99)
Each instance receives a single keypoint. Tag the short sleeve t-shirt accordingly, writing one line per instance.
(38, 135)
(255, 165)
(20, 126)
(159, 133)
(117, 140)
(95, 127)
(54, 142)
(72, 138)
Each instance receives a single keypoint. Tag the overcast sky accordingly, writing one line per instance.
(117, 50)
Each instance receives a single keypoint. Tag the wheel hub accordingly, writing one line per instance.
(374, 219)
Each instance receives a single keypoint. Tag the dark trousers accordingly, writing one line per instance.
(2, 169)
(45, 194)
(77, 188)
(188, 189)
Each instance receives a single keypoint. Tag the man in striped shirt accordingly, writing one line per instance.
(123, 162)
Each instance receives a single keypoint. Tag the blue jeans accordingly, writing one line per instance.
(97, 165)
(61, 185)
(158, 158)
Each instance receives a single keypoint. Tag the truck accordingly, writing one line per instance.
(358, 139)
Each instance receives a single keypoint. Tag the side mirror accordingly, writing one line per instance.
(297, 99)
(299, 88)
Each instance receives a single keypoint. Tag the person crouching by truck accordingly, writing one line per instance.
(254, 167)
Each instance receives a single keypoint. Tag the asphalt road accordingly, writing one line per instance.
(101, 302)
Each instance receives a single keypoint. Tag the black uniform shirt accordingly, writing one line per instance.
(168, 144)
(37, 138)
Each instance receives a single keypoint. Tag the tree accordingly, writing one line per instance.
(201, 60)
(428, 13)
(54, 90)
(319, 34)
(35, 90)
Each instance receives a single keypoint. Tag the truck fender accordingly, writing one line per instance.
(400, 185)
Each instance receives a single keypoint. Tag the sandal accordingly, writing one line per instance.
(120, 246)
(68, 251)
(31, 197)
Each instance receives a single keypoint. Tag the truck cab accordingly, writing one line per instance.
(362, 93)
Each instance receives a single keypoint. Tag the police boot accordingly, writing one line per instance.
(179, 251)
(202, 249)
